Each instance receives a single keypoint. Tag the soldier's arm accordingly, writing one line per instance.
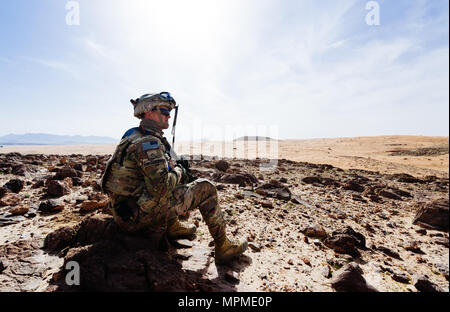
(153, 165)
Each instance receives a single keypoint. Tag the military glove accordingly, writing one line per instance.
(182, 173)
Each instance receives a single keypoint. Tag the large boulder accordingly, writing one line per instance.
(423, 284)
(14, 185)
(57, 188)
(350, 279)
(111, 260)
(433, 215)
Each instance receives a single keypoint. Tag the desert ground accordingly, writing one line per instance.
(385, 154)
(338, 214)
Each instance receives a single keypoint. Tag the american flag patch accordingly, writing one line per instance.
(150, 145)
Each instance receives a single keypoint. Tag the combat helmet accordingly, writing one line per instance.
(150, 101)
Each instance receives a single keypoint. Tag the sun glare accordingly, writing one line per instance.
(178, 23)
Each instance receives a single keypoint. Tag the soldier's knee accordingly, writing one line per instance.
(206, 186)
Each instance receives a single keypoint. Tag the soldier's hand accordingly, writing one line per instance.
(184, 176)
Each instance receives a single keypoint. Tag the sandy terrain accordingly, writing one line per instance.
(297, 216)
(368, 153)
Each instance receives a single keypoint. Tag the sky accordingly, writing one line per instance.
(289, 69)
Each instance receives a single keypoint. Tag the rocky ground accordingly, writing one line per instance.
(310, 227)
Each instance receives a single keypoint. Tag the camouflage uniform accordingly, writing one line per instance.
(146, 193)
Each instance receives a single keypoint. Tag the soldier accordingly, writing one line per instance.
(149, 191)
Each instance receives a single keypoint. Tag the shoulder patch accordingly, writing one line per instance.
(150, 145)
(130, 132)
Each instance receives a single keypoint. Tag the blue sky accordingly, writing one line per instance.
(309, 69)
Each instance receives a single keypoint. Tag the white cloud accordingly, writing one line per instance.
(57, 65)
(313, 68)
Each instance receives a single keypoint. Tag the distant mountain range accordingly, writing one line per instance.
(52, 139)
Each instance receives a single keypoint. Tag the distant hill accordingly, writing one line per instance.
(255, 138)
(52, 139)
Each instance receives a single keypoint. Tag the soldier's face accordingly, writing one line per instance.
(161, 119)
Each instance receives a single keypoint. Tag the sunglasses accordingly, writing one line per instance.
(163, 111)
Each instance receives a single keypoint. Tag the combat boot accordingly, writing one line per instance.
(228, 249)
(177, 230)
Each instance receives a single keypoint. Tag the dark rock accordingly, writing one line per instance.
(320, 180)
(349, 279)
(375, 198)
(60, 238)
(3, 265)
(57, 188)
(342, 243)
(388, 194)
(14, 185)
(222, 165)
(112, 260)
(413, 246)
(232, 277)
(78, 167)
(389, 252)
(295, 199)
(91, 160)
(353, 186)
(66, 172)
(265, 203)
(274, 189)
(254, 246)
(3, 191)
(30, 215)
(357, 197)
(434, 215)
(51, 205)
(21, 170)
(401, 192)
(424, 285)
(441, 241)
(312, 180)
(360, 240)
(38, 184)
(406, 178)
(315, 230)
(283, 180)
(235, 178)
(76, 181)
(401, 277)
(96, 228)
(421, 231)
